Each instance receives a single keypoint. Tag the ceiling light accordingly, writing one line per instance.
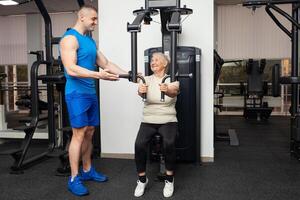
(8, 2)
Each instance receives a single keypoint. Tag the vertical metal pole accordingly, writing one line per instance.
(15, 85)
(134, 56)
(173, 55)
(49, 57)
(198, 104)
(146, 4)
(294, 63)
(6, 101)
(166, 35)
(295, 92)
(178, 3)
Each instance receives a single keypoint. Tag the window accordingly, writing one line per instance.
(233, 81)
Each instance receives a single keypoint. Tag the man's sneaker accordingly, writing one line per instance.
(140, 188)
(92, 175)
(76, 186)
(168, 189)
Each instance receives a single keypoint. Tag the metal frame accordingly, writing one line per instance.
(21, 161)
(49, 42)
(170, 28)
(49, 58)
(266, 2)
(19, 155)
(294, 78)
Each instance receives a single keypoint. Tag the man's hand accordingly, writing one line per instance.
(106, 75)
(142, 88)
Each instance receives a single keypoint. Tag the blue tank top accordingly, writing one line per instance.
(86, 58)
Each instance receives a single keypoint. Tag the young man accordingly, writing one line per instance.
(80, 56)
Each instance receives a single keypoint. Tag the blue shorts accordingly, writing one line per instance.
(83, 109)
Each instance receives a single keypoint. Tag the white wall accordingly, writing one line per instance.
(34, 39)
(243, 34)
(13, 44)
(121, 108)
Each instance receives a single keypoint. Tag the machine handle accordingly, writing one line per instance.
(162, 95)
(144, 95)
(129, 77)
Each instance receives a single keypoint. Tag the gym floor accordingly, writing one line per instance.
(260, 168)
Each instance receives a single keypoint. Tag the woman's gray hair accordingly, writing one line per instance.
(165, 57)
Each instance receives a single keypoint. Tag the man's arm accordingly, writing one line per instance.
(104, 63)
(68, 50)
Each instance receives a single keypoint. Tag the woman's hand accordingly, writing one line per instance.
(170, 89)
(163, 87)
(142, 88)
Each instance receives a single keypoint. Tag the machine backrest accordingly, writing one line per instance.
(188, 62)
(255, 69)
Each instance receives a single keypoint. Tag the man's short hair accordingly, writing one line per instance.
(90, 7)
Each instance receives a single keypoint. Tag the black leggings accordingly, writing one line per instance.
(168, 132)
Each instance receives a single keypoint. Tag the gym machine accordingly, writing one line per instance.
(54, 76)
(21, 160)
(230, 135)
(294, 79)
(184, 67)
(254, 106)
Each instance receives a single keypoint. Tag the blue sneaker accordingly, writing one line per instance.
(92, 175)
(76, 186)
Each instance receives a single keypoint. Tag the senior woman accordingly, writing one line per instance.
(158, 117)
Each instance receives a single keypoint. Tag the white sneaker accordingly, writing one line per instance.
(140, 188)
(168, 189)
